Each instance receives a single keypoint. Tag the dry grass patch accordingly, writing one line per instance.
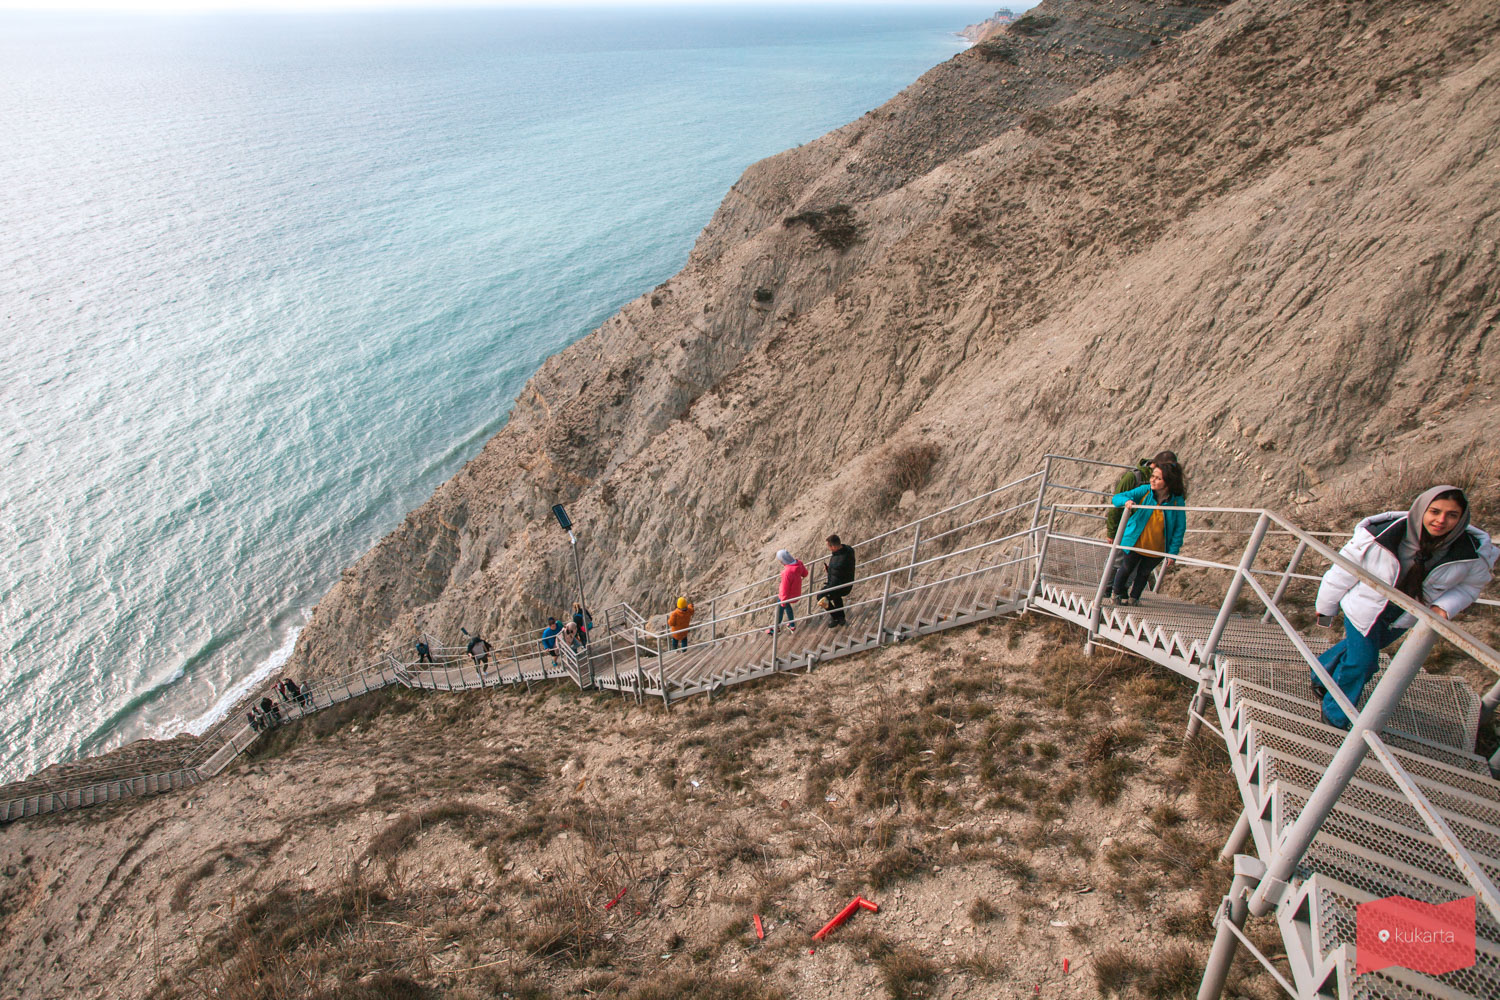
(982, 911)
(1171, 974)
(704, 986)
(906, 974)
(1203, 767)
(405, 828)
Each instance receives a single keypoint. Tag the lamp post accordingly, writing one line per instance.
(566, 523)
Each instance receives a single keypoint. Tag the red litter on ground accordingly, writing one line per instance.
(1065, 966)
(759, 931)
(619, 896)
(859, 902)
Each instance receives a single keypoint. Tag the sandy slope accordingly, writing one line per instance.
(1009, 802)
(1268, 242)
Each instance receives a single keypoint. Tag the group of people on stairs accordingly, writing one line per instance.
(836, 587)
(267, 714)
(575, 633)
(1429, 552)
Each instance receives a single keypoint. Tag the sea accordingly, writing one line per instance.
(267, 280)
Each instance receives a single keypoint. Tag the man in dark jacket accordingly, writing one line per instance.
(479, 650)
(840, 577)
(270, 712)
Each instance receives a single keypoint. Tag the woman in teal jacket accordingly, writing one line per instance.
(1151, 525)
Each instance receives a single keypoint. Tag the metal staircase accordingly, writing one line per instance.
(1401, 805)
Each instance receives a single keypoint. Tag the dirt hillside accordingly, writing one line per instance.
(1262, 234)
(1266, 239)
(1008, 803)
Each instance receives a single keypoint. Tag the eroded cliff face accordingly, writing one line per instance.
(1265, 237)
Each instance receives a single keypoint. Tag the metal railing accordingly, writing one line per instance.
(1265, 887)
(906, 573)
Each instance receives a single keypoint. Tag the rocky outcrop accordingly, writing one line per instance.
(1264, 235)
(977, 32)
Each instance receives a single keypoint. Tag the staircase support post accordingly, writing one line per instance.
(1237, 837)
(1286, 577)
(661, 674)
(1196, 708)
(1041, 494)
(1097, 611)
(1341, 770)
(635, 644)
(880, 624)
(1234, 910)
(911, 563)
(1041, 556)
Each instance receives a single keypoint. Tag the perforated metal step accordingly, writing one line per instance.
(1335, 904)
(1440, 710)
(1267, 708)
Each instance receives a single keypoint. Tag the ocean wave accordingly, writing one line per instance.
(238, 690)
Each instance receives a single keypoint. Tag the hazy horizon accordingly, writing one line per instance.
(330, 6)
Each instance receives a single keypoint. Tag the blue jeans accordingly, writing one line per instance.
(785, 610)
(677, 643)
(1354, 661)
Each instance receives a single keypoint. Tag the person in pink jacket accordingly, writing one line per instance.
(792, 575)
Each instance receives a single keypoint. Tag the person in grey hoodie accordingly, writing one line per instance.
(1430, 553)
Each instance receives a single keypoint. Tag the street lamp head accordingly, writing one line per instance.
(563, 520)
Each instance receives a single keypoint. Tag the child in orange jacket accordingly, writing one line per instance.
(677, 624)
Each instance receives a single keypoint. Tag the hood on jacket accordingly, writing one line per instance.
(1419, 507)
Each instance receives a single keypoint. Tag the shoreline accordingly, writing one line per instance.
(203, 702)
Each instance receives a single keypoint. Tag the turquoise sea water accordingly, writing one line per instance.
(268, 280)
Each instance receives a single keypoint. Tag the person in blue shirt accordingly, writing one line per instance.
(549, 637)
(1151, 525)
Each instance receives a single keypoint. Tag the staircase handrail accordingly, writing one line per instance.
(1365, 724)
(908, 526)
(873, 577)
(1479, 650)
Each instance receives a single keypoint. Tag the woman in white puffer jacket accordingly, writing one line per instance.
(1429, 552)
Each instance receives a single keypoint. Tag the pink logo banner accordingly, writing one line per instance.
(1414, 935)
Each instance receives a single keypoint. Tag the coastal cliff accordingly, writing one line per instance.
(1264, 235)
(1258, 237)
(1002, 18)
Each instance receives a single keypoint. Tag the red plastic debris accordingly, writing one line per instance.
(859, 902)
(844, 914)
(759, 932)
(1065, 966)
(619, 896)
